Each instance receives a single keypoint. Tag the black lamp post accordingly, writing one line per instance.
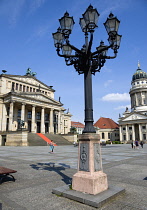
(84, 61)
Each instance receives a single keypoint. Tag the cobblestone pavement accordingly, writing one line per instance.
(38, 172)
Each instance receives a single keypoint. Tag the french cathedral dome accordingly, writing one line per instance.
(139, 74)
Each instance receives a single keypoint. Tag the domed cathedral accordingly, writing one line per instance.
(133, 125)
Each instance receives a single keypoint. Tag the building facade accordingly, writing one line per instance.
(133, 124)
(78, 126)
(107, 129)
(26, 102)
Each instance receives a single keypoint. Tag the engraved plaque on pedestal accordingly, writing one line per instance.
(97, 157)
(84, 157)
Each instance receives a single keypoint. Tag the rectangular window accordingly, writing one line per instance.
(20, 88)
(19, 113)
(38, 116)
(143, 127)
(124, 137)
(124, 128)
(24, 87)
(103, 136)
(13, 84)
(130, 128)
(16, 86)
(29, 114)
(46, 117)
(8, 110)
(108, 135)
(144, 136)
(130, 137)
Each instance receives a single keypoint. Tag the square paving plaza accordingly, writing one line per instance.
(38, 172)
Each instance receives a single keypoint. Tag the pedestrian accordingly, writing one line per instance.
(137, 144)
(132, 144)
(141, 144)
(74, 143)
(52, 146)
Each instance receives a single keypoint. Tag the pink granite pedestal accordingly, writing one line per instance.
(89, 177)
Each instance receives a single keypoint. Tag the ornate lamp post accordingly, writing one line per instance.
(84, 61)
(87, 62)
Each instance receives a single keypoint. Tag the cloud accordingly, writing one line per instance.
(116, 97)
(34, 5)
(107, 83)
(12, 11)
(123, 107)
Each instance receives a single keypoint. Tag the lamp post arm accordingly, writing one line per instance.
(65, 56)
(99, 51)
(74, 48)
(110, 57)
(90, 44)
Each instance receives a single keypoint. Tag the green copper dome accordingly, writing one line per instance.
(139, 74)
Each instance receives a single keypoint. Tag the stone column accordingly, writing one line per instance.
(133, 133)
(120, 133)
(140, 133)
(42, 121)
(51, 121)
(59, 122)
(11, 116)
(142, 98)
(127, 136)
(4, 117)
(23, 112)
(136, 99)
(33, 129)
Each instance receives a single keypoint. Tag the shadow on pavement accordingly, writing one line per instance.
(51, 167)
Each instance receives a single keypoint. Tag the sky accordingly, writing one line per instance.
(26, 42)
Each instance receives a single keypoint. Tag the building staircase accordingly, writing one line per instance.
(35, 139)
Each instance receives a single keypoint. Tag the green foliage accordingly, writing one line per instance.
(73, 130)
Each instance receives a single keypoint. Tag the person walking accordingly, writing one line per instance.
(141, 144)
(52, 146)
(137, 144)
(132, 144)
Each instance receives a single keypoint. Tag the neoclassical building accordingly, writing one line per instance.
(25, 101)
(133, 125)
(107, 129)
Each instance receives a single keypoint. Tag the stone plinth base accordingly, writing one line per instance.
(92, 200)
(90, 183)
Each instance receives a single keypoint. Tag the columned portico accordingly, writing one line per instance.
(137, 117)
(27, 105)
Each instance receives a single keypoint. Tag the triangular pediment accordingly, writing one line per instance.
(30, 80)
(39, 97)
(135, 116)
